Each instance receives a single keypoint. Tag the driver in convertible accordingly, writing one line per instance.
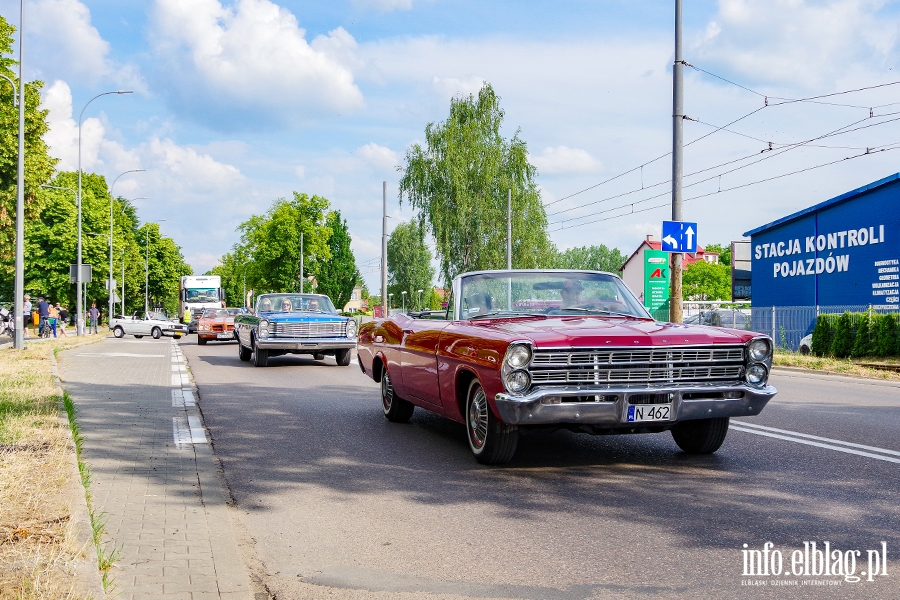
(570, 292)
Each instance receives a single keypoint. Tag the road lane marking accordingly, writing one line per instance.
(816, 444)
(188, 430)
(121, 354)
(815, 437)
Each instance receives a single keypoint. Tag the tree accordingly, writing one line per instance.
(594, 258)
(337, 274)
(271, 243)
(723, 251)
(409, 263)
(842, 344)
(458, 185)
(707, 281)
(862, 345)
(39, 165)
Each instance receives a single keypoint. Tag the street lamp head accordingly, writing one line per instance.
(403, 292)
(124, 92)
(419, 291)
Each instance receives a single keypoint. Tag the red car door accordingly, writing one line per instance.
(418, 356)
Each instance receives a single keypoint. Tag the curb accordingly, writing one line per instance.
(85, 571)
(823, 372)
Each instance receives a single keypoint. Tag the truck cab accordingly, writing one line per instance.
(197, 292)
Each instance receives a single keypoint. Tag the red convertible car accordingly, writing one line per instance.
(556, 349)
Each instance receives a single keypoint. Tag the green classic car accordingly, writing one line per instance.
(294, 324)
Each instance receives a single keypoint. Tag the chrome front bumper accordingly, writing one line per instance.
(532, 409)
(305, 344)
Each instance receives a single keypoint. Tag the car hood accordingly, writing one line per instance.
(298, 317)
(218, 320)
(594, 331)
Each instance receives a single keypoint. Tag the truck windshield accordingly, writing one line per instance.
(201, 295)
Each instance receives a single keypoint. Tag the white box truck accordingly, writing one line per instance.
(197, 292)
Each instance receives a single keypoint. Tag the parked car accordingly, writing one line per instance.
(564, 349)
(155, 324)
(805, 346)
(217, 324)
(721, 317)
(294, 324)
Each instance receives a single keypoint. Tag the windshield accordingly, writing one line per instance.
(213, 313)
(294, 303)
(201, 295)
(547, 293)
(158, 315)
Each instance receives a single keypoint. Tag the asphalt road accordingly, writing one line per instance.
(343, 504)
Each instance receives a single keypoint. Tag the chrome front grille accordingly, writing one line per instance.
(606, 367)
(311, 329)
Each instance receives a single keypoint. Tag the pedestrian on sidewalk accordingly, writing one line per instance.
(52, 318)
(94, 316)
(26, 315)
(63, 319)
(43, 310)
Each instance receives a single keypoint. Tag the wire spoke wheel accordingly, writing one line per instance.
(478, 418)
(387, 392)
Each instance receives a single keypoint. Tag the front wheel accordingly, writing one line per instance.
(156, 333)
(260, 357)
(244, 353)
(342, 357)
(118, 332)
(492, 442)
(201, 340)
(396, 409)
(703, 436)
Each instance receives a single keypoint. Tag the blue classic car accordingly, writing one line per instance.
(294, 324)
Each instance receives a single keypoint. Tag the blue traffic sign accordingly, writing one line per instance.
(679, 236)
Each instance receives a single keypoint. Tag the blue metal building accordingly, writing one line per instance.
(841, 254)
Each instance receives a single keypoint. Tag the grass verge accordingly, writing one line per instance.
(845, 366)
(38, 544)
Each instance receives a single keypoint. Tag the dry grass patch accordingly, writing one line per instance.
(846, 366)
(37, 541)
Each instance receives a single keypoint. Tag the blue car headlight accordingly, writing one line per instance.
(351, 328)
(263, 331)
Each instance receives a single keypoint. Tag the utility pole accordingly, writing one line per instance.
(123, 283)
(675, 313)
(509, 247)
(19, 285)
(301, 262)
(384, 298)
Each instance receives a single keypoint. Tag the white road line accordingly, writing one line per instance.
(180, 430)
(815, 437)
(178, 367)
(198, 435)
(121, 354)
(176, 380)
(816, 444)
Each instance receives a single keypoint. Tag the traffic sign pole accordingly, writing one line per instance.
(675, 312)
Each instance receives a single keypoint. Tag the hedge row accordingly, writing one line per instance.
(856, 335)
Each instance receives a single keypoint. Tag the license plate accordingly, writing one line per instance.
(649, 412)
(225, 336)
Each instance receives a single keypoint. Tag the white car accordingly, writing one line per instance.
(805, 345)
(154, 324)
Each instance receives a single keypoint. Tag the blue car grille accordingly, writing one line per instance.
(311, 329)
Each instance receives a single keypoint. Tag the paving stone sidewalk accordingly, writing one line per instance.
(154, 475)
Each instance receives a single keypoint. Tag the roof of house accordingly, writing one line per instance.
(689, 259)
(836, 200)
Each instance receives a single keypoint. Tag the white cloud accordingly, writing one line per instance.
(62, 136)
(384, 5)
(379, 157)
(252, 58)
(448, 87)
(562, 159)
(63, 40)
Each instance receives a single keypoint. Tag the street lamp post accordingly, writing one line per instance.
(403, 295)
(112, 201)
(419, 300)
(390, 301)
(147, 269)
(18, 302)
(79, 315)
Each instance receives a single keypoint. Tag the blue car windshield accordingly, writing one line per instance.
(268, 303)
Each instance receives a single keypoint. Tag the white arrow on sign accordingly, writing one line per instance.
(671, 241)
(690, 236)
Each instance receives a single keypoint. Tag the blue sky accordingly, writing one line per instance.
(237, 103)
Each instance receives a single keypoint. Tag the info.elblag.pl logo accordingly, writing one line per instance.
(831, 566)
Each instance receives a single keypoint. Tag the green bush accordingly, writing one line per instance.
(885, 343)
(821, 337)
(842, 344)
(862, 345)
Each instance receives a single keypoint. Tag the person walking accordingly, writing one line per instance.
(52, 318)
(26, 315)
(94, 316)
(63, 319)
(43, 310)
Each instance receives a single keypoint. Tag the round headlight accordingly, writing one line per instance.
(518, 356)
(517, 381)
(264, 329)
(756, 374)
(351, 328)
(760, 349)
